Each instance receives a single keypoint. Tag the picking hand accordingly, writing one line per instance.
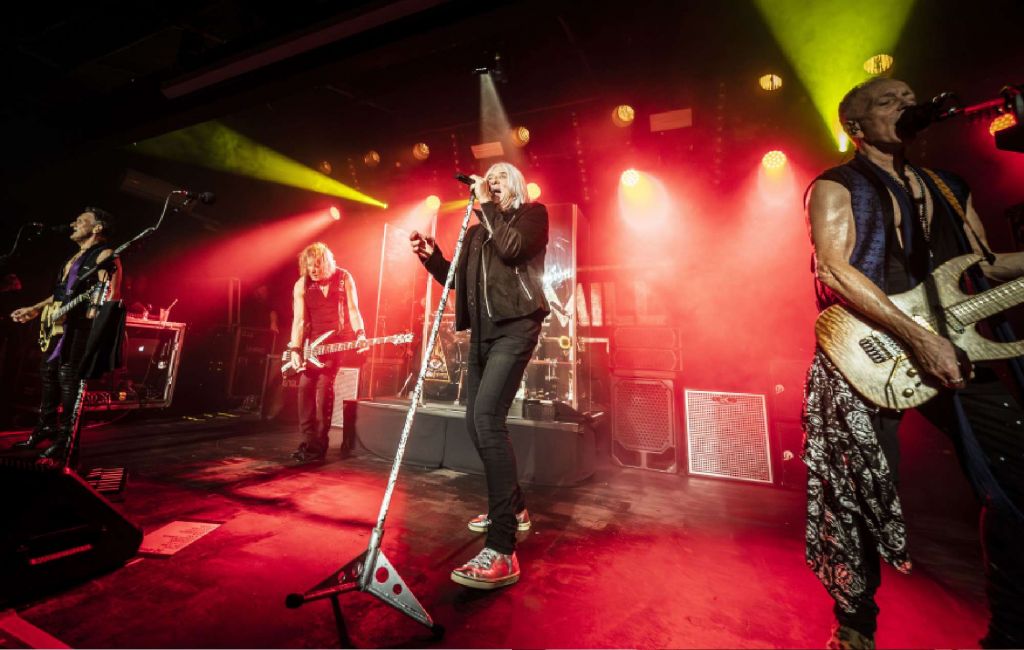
(941, 359)
(24, 314)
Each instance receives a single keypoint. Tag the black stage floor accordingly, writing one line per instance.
(626, 559)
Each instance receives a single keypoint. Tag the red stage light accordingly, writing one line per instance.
(433, 202)
(1004, 121)
(335, 213)
(533, 191)
(630, 178)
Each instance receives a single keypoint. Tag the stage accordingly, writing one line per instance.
(628, 558)
(547, 452)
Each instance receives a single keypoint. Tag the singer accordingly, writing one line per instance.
(500, 299)
(59, 371)
(879, 225)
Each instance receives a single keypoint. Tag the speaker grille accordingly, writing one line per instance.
(727, 435)
(643, 414)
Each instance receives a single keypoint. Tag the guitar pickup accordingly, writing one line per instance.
(874, 351)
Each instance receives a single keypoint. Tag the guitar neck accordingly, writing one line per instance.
(331, 348)
(64, 309)
(988, 303)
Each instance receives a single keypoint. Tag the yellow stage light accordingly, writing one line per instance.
(770, 82)
(371, 159)
(533, 191)
(520, 136)
(878, 64)
(420, 151)
(630, 178)
(335, 213)
(773, 160)
(433, 202)
(843, 140)
(623, 115)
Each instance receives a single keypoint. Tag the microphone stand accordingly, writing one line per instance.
(371, 572)
(17, 238)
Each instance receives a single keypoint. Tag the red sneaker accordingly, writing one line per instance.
(488, 570)
(480, 523)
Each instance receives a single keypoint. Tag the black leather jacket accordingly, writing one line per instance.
(512, 266)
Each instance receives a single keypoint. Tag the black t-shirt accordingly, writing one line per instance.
(943, 244)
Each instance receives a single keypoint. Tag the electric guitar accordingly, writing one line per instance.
(878, 364)
(51, 318)
(312, 351)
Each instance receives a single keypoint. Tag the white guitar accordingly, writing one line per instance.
(313, 350)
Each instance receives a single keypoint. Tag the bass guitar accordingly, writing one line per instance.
(313, 351)
(52, 317)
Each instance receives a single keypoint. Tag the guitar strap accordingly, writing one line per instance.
(959, 209)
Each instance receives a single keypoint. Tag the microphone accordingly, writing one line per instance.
(462, 178)
(35, 225)
(920, 116)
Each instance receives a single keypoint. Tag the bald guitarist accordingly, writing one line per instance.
(63, 354)
(880, 227)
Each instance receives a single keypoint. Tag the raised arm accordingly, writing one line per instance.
(833, 234)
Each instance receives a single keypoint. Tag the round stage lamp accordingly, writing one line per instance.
(773, 160)
(1002, 122)
(433, 201)
(770, 82)
(520, 136)
(420, 151)
(325, 167)
(371, 159)
(630, 178)
(335, 213)
(623, 115)
(878, 64)
(533, 191)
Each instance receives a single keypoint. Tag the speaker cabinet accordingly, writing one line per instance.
(56, 531)
(644, 423)
(727, 436)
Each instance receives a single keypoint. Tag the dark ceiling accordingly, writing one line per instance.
(352, 75)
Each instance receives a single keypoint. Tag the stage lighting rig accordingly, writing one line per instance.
(496, 70)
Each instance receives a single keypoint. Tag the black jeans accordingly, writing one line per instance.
(996, 420)
(495, 371)
(316, 405)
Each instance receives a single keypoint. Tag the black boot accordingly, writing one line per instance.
(39, 434)
(56, 455)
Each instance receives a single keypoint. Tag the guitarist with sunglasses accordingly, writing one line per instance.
(59, 371)
(324, 299)
(881, 227)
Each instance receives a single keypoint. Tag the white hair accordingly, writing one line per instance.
(516, 182)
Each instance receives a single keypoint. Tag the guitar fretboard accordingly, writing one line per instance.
(331, 348)
(989, 302)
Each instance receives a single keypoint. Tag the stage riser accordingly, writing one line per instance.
(546, 453)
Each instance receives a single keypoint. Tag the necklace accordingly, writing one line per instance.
(920, 202)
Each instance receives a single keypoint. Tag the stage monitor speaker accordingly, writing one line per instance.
(644, 423)
(56, 531)
(727, 436)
